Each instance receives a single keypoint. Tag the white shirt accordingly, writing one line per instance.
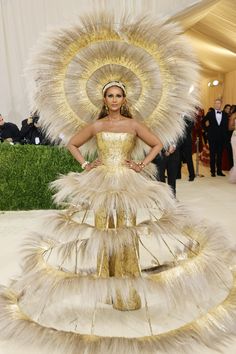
(218, 117)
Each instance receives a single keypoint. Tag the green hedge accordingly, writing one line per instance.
(26, 171)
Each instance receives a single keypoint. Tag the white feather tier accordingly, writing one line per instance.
(112, 189)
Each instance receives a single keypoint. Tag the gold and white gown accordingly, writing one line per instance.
(115, 268)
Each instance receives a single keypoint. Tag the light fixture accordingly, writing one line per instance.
(215, 83)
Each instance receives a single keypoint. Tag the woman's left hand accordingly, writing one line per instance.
(133, 165)
(92, 165)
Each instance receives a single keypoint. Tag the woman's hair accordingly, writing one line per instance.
(210, 109)
(233, 109)
(227, 105)
(124, 110)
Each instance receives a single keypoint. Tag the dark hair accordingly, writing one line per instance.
(233, 109)
(227, 105)
(210, 109)
(124, 110)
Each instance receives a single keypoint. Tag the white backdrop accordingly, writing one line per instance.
(22, 21)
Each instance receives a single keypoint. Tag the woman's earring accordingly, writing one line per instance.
(106, 108)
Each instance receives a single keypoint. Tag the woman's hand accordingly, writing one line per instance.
(137, 167)
(92, 165)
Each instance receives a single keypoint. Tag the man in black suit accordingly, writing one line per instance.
(216, 125)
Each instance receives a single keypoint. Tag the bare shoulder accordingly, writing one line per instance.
(98, 125)
(137, 125)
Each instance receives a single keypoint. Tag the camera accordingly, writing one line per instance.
(35, 117)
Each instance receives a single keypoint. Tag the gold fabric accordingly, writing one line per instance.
(114, 149)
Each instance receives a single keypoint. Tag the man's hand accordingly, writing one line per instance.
(29, 120)
(171, 149)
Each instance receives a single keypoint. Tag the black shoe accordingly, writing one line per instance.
(191, 178)
(213, 175)
(220, 174)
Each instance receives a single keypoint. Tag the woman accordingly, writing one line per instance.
(232, 127)
(114, 122)
(123, 242)
(116, 128)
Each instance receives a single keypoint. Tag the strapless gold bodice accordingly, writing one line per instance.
(115, 148)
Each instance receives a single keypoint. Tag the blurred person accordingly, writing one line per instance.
(185, 149)
(204, 130)
(232, 127)
(168, 162)
(197, 131)
(31, 132)
(8, 131)
(229, 153)
(227, 108)
(216, 125)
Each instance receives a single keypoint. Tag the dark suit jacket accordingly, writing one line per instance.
(9, 130)
(215, 132)
(29, 132)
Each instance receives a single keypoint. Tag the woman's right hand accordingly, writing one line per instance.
(92, 165)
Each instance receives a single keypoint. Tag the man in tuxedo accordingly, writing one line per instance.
(215, 124)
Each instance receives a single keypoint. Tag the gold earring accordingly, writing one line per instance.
(106, 108)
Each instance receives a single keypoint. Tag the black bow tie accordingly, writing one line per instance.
(218, 111)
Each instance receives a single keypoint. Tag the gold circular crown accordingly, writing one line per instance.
(114, 83)
(70, 67)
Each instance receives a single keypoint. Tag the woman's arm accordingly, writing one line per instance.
(78, 140)
(150, 139)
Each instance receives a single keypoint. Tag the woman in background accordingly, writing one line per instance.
(232, 126)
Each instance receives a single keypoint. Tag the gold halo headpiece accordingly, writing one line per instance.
(114, 83)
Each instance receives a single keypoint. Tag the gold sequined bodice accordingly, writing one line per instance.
(115, 148)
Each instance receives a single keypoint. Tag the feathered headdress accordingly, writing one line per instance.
(70, 66)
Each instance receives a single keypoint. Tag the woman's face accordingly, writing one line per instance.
(114, 98)
(227, 109)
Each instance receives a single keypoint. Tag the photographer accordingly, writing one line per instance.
(30, 132)
(9, 132)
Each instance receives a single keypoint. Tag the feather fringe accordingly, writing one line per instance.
(191, 277)
(213, 330)
(102, 189)
(69, 67)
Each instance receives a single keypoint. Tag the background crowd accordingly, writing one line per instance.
(210, 136)
(29, 133)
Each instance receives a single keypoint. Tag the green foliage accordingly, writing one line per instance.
(26, 171)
